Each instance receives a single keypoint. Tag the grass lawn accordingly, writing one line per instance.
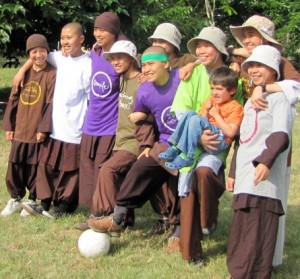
(41, 248)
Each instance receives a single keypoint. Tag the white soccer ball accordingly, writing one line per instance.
(93, 244)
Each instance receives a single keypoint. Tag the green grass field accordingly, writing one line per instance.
(34, 247)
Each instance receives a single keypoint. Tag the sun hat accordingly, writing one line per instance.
(123, 46)
(36, 40)
(214, 35)
(168, 32)
(263, 25)
(266, 55)
(108, 21)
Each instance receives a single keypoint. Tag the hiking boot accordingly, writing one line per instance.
(34, 209)
(83, 226)
(105, 225)
(12, 206)
(209, 231)
(173, 245)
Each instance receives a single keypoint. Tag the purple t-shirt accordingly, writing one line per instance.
(102, 113)
(158, 100)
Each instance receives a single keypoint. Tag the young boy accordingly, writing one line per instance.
(27, 121)
(221, 114)
(122, 56)
(260, 173)
(58, 171)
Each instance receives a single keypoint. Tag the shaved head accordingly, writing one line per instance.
(155, 49)
(74, 26)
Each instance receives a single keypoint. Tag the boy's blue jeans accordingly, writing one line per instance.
(188, 130)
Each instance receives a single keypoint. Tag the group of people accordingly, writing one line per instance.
(112, 130)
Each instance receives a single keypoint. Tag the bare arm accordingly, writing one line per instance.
(230, 130)
(290, 88)
(19, 77)
(186, 71)
(137, 116)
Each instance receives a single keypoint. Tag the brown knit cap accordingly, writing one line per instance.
(108, 21)
(36, 40)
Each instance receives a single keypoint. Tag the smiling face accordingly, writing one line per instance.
(121, 62)
(207, 53)
(261, 74)
(155, 71)
(251, 38)
(104, 39)
(39, 57)
(71, 41)
(220, 93)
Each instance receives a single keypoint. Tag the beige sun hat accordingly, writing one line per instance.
(214, 35)
(266, 55)
(168, 32)
(122, 46)
(263, 25)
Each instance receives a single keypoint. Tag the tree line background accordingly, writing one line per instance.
(21, 18)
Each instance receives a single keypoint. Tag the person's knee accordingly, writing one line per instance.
(204, 172)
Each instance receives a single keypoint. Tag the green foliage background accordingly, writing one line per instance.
(20, 18)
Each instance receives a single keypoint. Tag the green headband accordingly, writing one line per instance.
(154, 57)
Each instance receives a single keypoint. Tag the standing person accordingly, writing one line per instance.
(27, 122)
(101, 119)
(258, 30)
(199, 204)
(260, 173)
(122, 56)
(221, 114)
(58, 170)
(147, 174)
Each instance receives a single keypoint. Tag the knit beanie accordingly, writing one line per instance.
(36, 40)
(108, 21)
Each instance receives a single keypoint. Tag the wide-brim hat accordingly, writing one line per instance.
(266, 55)
(168, 32)
(123, 46)
(214, 35)
(263, 25)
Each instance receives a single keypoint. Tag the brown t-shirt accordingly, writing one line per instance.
(32, 99)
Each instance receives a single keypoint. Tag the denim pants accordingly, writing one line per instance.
(188, 130)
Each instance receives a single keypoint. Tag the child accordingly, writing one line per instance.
(58, 171)
(221, 114)
(27, 121)
(260, 173)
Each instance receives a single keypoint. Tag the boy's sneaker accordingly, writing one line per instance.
(24, 213)
(34, 209)
(105, 225)
(12, 206)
